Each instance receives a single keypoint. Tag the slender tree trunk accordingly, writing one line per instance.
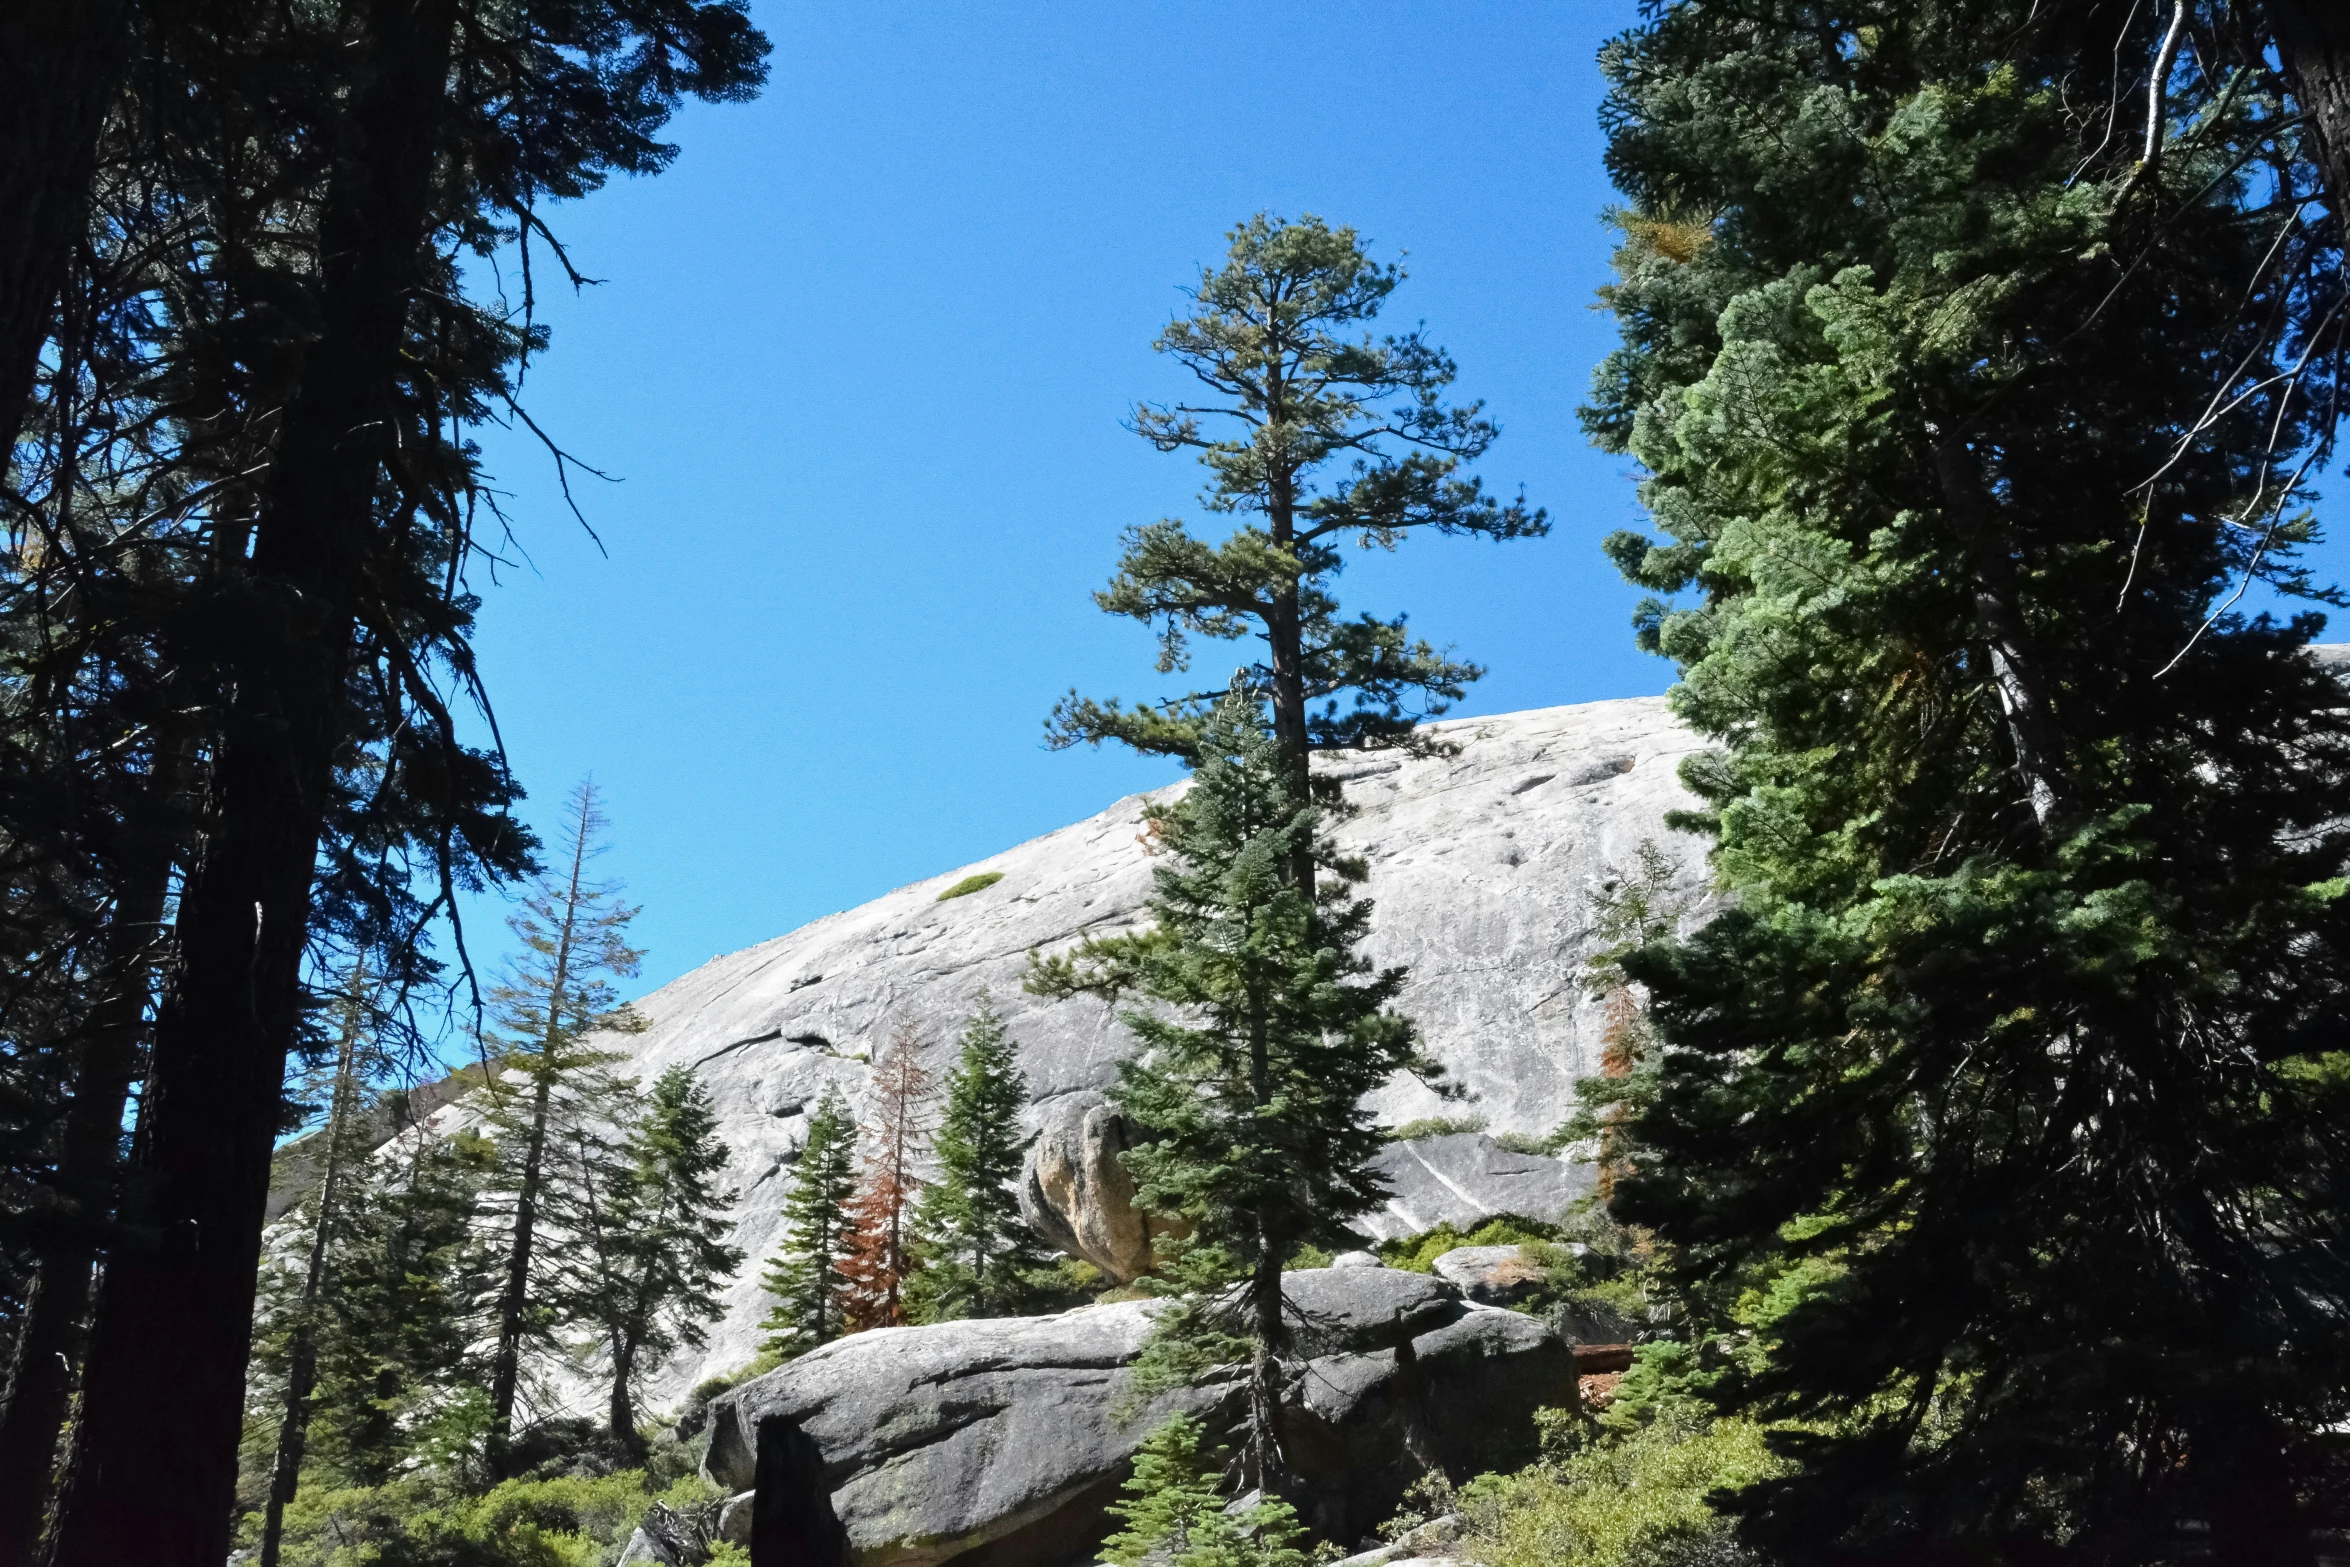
(623, 1409)
(2313, 41)
(1285, 637)
(1268, 1335)
(514, 1302)
(293, 1431)
(506, 1369)
(2016, 677)
(49, 1340)
(61, 63)
(153, 1477)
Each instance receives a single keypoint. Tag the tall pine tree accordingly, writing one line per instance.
(976, 1251)
(553, 1093)
(1996, 1125)
(1294, 393)
(804, 1276)
(646, 1237)
(1264, 1031)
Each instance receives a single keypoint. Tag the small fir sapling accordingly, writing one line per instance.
(804, 1276)
(977, 1254)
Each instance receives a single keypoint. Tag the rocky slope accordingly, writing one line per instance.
(1482, 867)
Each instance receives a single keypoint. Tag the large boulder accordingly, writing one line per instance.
(1075, 1192)
(994, 1443)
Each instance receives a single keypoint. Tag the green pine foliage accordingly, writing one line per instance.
(1642, 1501)
(1325, 436)
(977, 1255)
(804, 1276)
(649, 1252)
(553, 1104)
(1994, 1136)
(1174, 1511)
(1264, 1031)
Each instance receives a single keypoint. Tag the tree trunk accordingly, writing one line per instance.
(506, 1369)
(2016, 677)
(623, 1410)
(61, 62)
(49, 1340)
(293, 1431)
(2313, 41)
(154, 1468)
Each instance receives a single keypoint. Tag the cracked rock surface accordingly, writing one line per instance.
(1000, 1442)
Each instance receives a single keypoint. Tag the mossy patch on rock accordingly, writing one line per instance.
(971, 884)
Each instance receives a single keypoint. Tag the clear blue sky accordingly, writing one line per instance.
(860, 363)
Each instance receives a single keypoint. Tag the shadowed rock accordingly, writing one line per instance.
(1001, 1442)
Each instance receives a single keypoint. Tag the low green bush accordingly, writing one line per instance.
(1418, 1253)
(1638, 1500)
(423, 1521)
(971, 884)
(1435, 1126)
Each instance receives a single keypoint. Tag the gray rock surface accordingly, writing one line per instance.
(1482, 868)
(999, 1442)
(1491, 1275)
(1076, 1194)
(1465, 1178)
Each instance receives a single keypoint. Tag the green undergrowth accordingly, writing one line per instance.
(1636, 1499)
(971, 884)
(424, 1521)
(1418, 1253)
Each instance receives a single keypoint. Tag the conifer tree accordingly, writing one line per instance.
(1995, 1129)
(1174, 1511)
(1266, 1030)
(302, 1349)
(556, 999)
(1272, 344)
(976, 1251)
(648, 1232)
(804, 1275)
(414, 1287)
(880, 1256)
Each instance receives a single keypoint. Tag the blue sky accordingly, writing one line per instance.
(859, 364)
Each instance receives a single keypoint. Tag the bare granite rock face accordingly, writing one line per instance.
(1076, 1194)
(1463, 1179)
(1482, 868)
(996, 1443)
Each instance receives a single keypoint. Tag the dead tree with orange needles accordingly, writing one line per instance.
(896, 1132)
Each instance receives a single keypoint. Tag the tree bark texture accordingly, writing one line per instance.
(153, 1472)
(40, 1386)
(2016, 677)
(61, 62)
(2313, 41)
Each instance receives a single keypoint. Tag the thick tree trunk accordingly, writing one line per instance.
(2313, 41)
(61, 62)
(49, 1341)
(154, 1467)
(293, 1430)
